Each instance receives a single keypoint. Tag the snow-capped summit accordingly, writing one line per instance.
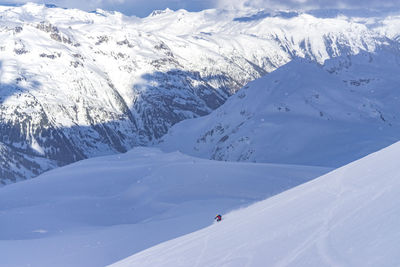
(78, 84)
(159, 12)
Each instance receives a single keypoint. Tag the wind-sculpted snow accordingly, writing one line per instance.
(303, 113)
(97, 211)
(75, 85)
(349, 217)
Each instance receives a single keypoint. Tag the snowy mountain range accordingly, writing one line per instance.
(336, 112)
(235, 107)
(76, 85)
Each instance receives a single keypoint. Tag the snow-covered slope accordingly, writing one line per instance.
(303, 113)
(75, 84)
(97, 211)
(349, 217)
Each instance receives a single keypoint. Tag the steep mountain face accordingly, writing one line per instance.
(75, 85)
(16, 165)
(303, 113)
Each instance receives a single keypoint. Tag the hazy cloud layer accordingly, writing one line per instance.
(308, 4)
(144, 7)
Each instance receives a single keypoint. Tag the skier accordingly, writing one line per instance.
(218, 217)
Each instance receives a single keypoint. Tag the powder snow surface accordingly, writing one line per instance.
(96, 212)
(349, 217)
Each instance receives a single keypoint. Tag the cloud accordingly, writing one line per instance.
(85, 5)
(306, 4)
(144, 7)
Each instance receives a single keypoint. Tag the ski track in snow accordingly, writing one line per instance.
(202, 253)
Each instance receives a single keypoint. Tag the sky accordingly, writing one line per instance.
(142, 8)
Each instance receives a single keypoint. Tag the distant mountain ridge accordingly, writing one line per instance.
(75, 84)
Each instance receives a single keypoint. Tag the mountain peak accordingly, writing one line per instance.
(160, 12)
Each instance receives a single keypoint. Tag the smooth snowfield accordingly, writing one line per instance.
(98, 211)
(349, 217)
